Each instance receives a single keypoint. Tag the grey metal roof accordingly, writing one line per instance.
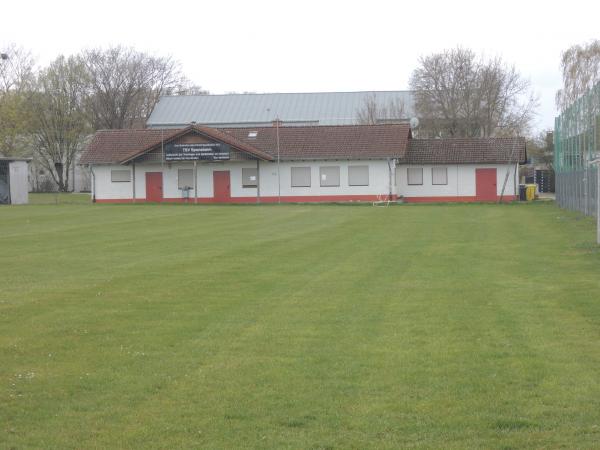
(235, 110)
(11, 158)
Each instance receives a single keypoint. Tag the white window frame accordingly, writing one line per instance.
(433, 169)
(179, 177)
(304, 169)
(120, 171)
(250, 183)
(350, 176)
(324, 179)
(408, 177)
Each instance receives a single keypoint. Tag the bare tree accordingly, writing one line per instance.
(458, 94)
(16, 79)
(580, 65)
(374, 111)
(16, 69)
(60, 125)
(124, 85)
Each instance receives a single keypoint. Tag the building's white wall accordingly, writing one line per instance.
(19, 185)
(107, 190)
(378, 179)
(461, 180)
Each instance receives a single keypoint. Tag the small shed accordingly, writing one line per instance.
(14, 186)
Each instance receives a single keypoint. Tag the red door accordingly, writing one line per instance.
(485, 185)
(221, 186)
(154, 187)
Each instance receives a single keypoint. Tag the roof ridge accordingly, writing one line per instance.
(291, 93)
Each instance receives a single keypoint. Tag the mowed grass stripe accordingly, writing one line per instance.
(305, 327)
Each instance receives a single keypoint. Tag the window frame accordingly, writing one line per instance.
(445, 174)
(179, 178)
(408, 169)
(362, 166)
(112, 177)
(292, 176)
(321, 176)
(249, 186)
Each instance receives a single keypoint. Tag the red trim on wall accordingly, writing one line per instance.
(454, 199)
(312, 199)
(270, 199)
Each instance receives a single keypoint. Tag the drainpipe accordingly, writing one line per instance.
(258, 181)
(391, 165)
(133, 185)
(196, 182)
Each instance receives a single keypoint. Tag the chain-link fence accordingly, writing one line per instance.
(576, 145)
(577, 190)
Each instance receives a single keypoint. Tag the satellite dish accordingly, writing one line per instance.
(414, 122)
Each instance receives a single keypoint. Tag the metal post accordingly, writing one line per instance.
(195, 182)
(598, 202)
(278, 163)
(258, 181)
(133, 185)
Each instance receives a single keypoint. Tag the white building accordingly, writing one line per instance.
(14, 189)
(200, 164)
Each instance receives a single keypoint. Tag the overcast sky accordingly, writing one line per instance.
(307, 46)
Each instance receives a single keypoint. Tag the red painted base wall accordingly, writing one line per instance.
(311, 199)
(454, 199)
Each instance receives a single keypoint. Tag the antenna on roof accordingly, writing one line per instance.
(414, 122)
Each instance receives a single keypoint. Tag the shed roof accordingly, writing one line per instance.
(466, 151)
(238, 110)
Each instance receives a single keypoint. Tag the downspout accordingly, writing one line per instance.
(133, 186)
(257, 180)
(389, 179)
(196, 182)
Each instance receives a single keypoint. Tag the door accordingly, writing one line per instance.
(485, 185)
(154, 187)
(221, 186)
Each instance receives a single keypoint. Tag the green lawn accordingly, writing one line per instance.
(300, 327)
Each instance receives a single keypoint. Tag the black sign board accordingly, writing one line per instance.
(209, 151)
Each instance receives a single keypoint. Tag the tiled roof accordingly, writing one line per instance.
(328, 142)
(118, 146)
(108, 146)
(466, 151)
(315, 143)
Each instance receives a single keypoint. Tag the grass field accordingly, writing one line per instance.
(300, 327)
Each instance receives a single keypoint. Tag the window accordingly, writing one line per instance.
(119, 176)
(249, 177)
(358, 175)
(300, 176)
(439, 175)
(330, 175)
(415, 175)
(185, 178)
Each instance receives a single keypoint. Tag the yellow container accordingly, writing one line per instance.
(530, 192)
